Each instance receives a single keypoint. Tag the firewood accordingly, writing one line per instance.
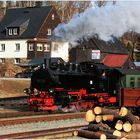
(97, 110)
(98, 127)
(75, 133)
(89, 134)
(136, 127)
(90, 116)
(125, 113)
(95, 135)
(103, 137)
(98, 118)
(111, 136)
(105, 111)
(108, 117)
(119, 125)
(117, 133)
(131, 135)
(127, 127)
(104, 128)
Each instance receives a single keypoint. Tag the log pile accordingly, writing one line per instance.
(110, 124)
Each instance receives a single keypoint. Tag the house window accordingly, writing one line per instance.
(138, 82)
(132, 82)
(31, 47)
(39, 47)
(52, 16)
(17, 47)
(10, 31)
(46, 47)
(17, 60)
(2, 60)
(49, 32)
(15, 31)
(2, 49)
(55, 48)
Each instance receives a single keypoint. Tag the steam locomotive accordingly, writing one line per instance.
(59, 85)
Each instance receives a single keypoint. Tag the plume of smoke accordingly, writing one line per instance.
(105, 21)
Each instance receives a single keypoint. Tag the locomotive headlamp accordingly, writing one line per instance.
(51, 91)
(27, 91)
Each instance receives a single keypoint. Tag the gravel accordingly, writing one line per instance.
(41, 126)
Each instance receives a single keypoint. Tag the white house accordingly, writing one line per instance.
(24, 35)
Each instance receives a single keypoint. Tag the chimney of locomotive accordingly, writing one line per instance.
(46, 63)
(70, 68)
(76, 68)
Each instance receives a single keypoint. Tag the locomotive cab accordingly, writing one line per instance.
(130, 88)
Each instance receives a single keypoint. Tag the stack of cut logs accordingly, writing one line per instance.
(110, 124)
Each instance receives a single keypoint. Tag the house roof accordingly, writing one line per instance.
(32, 62)
(31, 17)
(112, 46)
(115, 60)
(129, 71)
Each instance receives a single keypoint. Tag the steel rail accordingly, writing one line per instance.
(38, 118)
(49, 133)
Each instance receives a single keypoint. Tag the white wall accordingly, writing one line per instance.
(63, 50)
(10, 48)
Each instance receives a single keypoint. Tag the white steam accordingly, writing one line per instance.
(105, 21)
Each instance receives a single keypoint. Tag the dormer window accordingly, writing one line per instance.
(49, 32)
(52, 16)
(10, 31)
(15, 31)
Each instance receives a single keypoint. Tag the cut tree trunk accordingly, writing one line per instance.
(136, 127)
(128, 116)
(98, 118)
(119, 125)
(98, 127)
(131, 135)
(104, 128)
(89, 134)
(90, 116)
(95, 135)
(127, 127)
(105, 111)
(109, 118)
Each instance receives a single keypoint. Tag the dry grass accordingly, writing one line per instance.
(11, 88)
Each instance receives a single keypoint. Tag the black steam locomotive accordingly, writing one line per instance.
(58, 85)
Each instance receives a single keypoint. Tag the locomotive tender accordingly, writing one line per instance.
(84, 85)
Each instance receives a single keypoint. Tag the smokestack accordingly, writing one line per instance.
(46, 63)
(76, 69)
(70, 68)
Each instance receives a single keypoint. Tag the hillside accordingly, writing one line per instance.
(13, 87)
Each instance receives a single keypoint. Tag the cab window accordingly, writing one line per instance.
(132, 82)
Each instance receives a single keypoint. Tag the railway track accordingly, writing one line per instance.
(49, 133)
(38, 118)
(12, 101)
